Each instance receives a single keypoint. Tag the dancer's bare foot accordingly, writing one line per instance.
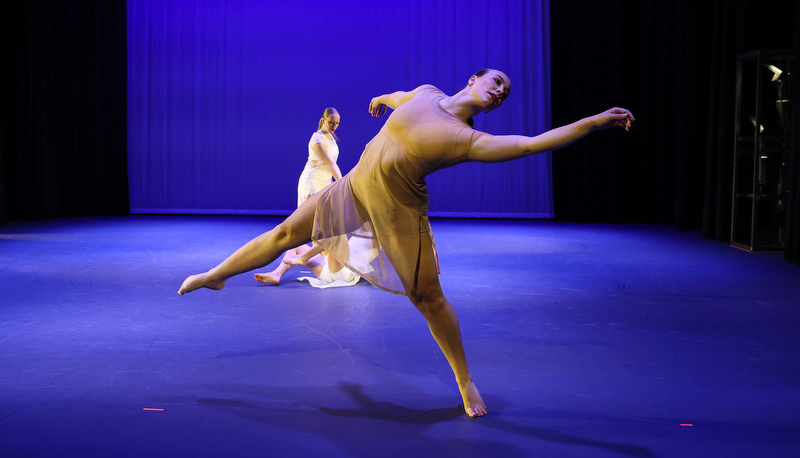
(295, 260)
(473, 402)
(269, 277)
(200, 281)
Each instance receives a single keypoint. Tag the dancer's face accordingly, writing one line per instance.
(490, 89)
(330, 123)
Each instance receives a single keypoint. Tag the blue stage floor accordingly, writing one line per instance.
(585, 340)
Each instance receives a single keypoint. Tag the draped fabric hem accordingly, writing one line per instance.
(367, 242)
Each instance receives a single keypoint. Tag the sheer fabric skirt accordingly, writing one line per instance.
(363, 227)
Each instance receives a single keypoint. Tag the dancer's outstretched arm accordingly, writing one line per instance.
(500, 148)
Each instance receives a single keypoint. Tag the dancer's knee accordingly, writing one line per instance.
(429, 303)
(284, 235)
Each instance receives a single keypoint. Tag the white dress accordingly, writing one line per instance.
(362, 252)
(316, 175)
(328, 279)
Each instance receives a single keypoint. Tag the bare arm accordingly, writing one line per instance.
(323, 154)
(378, 105)
(500, 148)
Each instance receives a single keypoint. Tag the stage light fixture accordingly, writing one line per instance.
(780, 80)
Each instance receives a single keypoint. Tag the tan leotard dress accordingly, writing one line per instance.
(384, 199)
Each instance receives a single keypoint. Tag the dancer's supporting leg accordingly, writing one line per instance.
(443, 323)
(260, 251)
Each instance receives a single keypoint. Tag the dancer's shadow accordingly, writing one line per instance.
(387, 411)
(370, 429)
(379, 416)
(370, 408)
(567, 439)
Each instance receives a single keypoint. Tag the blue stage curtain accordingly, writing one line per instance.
(223, 96)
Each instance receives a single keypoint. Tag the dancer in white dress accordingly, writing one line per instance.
(319, 171)
(323, 152)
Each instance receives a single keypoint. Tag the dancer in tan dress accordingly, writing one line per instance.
(384, 200)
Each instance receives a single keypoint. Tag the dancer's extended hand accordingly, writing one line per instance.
(376, 107)
(613, 117)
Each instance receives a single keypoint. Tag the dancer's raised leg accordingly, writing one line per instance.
(262, 250)
(443, 323)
